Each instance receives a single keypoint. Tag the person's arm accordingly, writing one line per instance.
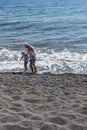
(21, 58)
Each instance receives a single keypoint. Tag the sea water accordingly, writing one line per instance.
(56, 28)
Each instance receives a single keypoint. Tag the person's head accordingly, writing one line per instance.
(23, 53)
(26, 45)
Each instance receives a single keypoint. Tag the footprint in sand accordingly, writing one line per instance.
(25, 114)
(74, 126)
(82, 110)
(10, 119)
(32, 100)
(58, 120)
(16, 97)
(49, 127)
(15, 127)
(16, 109)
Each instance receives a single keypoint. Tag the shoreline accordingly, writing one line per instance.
(43, 101)
(44, 73)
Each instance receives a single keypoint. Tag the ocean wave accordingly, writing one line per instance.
(10, 23)
(48, 60)
(62, 62)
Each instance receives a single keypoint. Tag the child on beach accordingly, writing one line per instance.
(25, 57)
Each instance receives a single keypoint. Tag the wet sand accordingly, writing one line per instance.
(43, 102)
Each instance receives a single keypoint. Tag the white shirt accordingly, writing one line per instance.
(31, 54)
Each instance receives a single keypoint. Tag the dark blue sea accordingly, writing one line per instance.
(56, 28)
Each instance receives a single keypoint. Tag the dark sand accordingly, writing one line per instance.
(43, 102)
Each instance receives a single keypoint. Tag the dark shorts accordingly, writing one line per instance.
(32, 61)
(26, 62)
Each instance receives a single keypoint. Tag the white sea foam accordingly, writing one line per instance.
(9, 60)
(48, 60)
(62, 62)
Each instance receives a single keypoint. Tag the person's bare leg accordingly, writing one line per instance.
(31, 66)
(25, 66)
(35, 69)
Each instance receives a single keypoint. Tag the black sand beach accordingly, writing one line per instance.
(43, 102)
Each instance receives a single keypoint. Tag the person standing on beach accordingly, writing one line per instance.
(31, 53)
(25, 57)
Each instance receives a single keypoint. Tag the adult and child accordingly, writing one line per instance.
(29, 56)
